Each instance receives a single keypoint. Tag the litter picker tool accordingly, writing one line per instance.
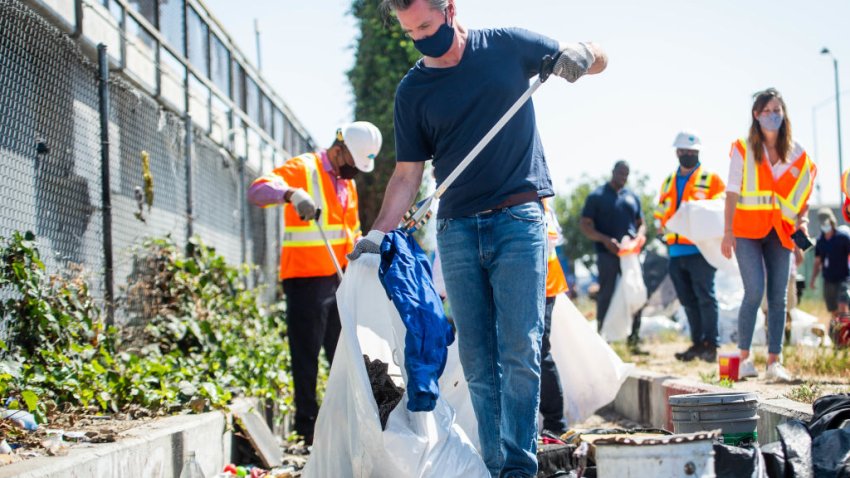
(420, 213)
(328, 244)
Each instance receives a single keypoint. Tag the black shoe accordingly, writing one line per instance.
(635, 349)
(693, 352)
(709, 354)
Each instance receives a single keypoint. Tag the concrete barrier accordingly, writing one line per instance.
(644, 399)
(154, 450)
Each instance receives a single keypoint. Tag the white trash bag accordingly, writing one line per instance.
(591, 373)
(702, 222)
(348, 440)
(629, 294)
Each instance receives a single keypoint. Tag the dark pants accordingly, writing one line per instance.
(312, 321)
(693, 278)
(609, 269)
(551, 393)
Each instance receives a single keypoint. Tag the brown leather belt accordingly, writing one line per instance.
(514, 200)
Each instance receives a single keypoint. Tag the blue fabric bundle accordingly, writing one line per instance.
(405, 274)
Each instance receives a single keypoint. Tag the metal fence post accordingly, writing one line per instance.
(103, 90)
(243, 223)
(188, 158)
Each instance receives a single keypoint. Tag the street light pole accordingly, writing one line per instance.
(825, 51)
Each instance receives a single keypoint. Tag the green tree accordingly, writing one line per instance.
(383, 55)
(568, 210)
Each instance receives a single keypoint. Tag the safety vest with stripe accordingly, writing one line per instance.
(304, 253)
(766, 203)
(556, 282)
(701, 184)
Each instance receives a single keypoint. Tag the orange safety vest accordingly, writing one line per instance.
(556, 282)
(766, 203)
(304, 253)
(701, 185)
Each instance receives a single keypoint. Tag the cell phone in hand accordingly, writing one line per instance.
(802, 240)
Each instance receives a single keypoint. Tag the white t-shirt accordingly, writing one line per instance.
(736, 166)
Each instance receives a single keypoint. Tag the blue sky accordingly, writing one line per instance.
(672, 65)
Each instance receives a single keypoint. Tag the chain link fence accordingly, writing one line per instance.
(160, 183)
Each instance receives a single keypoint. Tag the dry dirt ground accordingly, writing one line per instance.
(805, 388)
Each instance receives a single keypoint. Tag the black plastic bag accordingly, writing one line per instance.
(831, 454)
(829, 412)
(774, 460)
(738, 461)
(797, 447)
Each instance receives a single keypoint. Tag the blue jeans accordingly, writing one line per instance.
(693, 278)
(494, 266)
(755, 257)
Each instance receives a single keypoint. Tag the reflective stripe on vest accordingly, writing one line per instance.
(754, 199)
(309, 236)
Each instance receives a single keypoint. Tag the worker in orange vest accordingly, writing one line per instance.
(770, 181)
(551, 392)
(691, 274)
(321, 180)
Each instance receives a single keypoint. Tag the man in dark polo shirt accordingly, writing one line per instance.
(831, 253)
(610, 212)
(491, 230)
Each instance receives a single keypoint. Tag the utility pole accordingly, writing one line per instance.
(257, 40)
(825, 51)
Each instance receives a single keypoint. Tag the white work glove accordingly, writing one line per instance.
(304, 204)
(573, 61)
(369, 244)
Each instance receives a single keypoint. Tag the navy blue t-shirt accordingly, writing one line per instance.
(442, 113)
(614, 213)
(833, 254)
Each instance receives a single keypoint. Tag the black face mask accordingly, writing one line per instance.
(689, 160)
(348, 172)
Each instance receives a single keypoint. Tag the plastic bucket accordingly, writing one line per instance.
(734, 413)
(687, 458)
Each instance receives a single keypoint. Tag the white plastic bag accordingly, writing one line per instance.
(348, 440)
(629, 296)
(591, 373)
(702, 223)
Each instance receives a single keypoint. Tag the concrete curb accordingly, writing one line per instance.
(644, 398)
(154, 450)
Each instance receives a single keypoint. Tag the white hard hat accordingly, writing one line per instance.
(687, 140)
(363, 140)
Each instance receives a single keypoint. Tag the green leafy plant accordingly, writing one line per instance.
(201, 336)
(806, 393)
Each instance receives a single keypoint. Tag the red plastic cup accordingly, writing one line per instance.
(729, 364)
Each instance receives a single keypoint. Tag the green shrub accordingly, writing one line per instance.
(204, 338)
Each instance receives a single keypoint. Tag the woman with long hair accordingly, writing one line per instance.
(770, 180)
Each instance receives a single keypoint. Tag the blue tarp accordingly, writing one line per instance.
(405, 274)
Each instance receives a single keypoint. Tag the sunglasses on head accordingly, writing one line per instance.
(771, 92)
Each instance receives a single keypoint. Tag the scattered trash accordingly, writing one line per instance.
(258, 433)
(54, 444)
(729, 364)
(21, 419)
(387, 393)
(191, 469)
(5, 448)
(77, 436)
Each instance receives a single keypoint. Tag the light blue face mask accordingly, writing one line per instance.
(771, 121)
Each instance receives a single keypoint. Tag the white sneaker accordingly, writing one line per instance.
(747, 369)
(777, 373)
